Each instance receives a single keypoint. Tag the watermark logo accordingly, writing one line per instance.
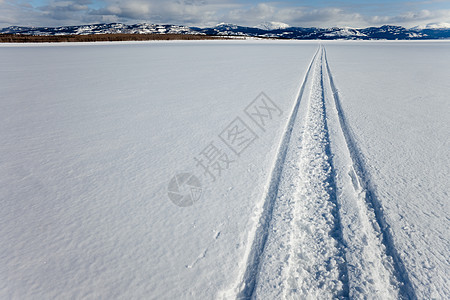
(220, 154)
(184, 189)
(213, 161)
(238, 136)
(262, 110)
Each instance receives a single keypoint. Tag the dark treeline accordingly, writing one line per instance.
(18, 38)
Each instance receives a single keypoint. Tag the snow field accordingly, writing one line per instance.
(342, 195)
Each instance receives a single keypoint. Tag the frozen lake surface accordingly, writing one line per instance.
(225, 169)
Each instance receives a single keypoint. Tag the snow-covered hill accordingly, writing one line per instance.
(142, 28)
(267, 29)
(272, 25)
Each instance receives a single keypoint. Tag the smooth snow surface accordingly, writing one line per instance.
(338, 187)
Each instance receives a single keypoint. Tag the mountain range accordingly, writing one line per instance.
(265, 30)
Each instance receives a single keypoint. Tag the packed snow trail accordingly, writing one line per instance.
(320, 236)
(304, 253)
(245, 283)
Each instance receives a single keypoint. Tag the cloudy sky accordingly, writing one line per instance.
(318, 13)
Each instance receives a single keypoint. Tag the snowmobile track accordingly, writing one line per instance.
(321, 231)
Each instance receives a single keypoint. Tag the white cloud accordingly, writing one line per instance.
(204, 13)
(298, 16)
(410, 19)
(189, 12)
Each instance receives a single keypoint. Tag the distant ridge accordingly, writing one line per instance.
(264, 30)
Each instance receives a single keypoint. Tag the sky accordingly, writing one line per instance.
(204, 13)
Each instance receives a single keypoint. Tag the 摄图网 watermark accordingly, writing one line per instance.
(218, 156)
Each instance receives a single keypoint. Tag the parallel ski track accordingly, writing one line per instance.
(372, 209)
